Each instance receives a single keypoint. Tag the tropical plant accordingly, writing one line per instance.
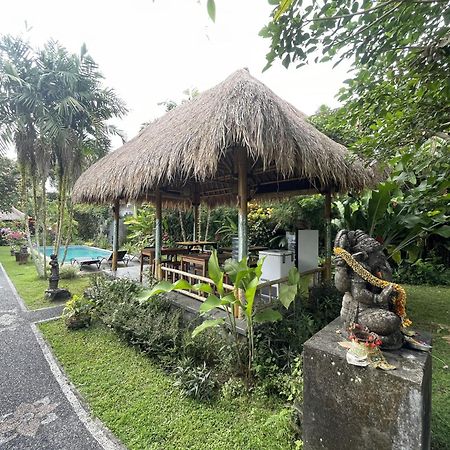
(194, 381)
(78, 312)
(91, 219)
(228, 229)
(140, 227)
(245, 281)
(403, 212)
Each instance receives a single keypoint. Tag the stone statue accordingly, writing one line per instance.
(363, 302)
(54, 275)
(54, 292)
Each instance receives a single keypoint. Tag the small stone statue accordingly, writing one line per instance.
(363, 302)
(54, 292)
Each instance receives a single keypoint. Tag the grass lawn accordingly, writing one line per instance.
(30, 287)
(140, 405)
(429, 308)
(138, 402)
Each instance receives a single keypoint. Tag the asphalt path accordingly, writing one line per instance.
(39, 408)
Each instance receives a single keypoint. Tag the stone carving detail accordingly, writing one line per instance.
(363, 303)
(26, 419)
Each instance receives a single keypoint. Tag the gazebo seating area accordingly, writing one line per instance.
(235, 142)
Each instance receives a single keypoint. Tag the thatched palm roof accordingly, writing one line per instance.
(193, 147)
(13, 215)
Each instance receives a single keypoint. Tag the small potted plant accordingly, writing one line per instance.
(78, 312)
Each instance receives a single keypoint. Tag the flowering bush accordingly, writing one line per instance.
(15, 238)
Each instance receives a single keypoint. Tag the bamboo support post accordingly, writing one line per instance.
(196, 206)
(328, 236)
(242, 211)
(158, 234)
(116, 211)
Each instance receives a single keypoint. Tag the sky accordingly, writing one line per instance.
(152, 51)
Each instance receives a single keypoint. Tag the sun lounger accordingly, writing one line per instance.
(121, 257)
(86, 262)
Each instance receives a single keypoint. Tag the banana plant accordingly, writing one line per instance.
(245, 281)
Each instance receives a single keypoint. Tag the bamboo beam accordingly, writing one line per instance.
(196, 207)
(242, 164)
(116, 211)
(158, 234)
(327, 236)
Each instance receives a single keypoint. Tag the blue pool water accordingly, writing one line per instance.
(78, 251)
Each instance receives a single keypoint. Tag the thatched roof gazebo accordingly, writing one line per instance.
(234, 142)
(11, 216)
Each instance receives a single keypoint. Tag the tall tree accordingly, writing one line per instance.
(55, 110)
(20, 108)
(399, 94)
(75, 119)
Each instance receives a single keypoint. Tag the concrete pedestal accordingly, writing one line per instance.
(349, 407)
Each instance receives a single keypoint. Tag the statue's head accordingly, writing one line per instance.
(367, 250)
(53, 256)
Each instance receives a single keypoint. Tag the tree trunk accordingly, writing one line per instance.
(44, 223)
(24, 195)
(69, 232)
(62, 208)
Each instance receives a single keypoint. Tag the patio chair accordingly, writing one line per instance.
(121, 257)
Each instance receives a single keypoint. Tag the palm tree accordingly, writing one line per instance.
(55, 111)
(77, 108)
(20, 105)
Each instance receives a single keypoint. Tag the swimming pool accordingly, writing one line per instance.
(78, 251)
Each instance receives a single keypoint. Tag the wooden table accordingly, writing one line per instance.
(190, 244)
(149, 252)
(198, 260)
(252, 248)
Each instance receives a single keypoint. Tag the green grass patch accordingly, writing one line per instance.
(32, 288)
(139, 404)
(429, 309)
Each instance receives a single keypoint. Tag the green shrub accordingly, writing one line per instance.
(194, 381)
(153, 326)
(91, 220)
(428, 271)
(232, 388)
(214, 347)
(68, 272)
(78, 312)
(279, 344)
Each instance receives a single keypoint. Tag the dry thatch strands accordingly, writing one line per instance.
(194, 146)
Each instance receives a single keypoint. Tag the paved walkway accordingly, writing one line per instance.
(38, 407)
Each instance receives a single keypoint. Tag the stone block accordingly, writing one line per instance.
(349, 407)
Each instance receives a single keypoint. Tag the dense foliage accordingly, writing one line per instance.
(9, 184)
(91, 221)
(409, 212)
(399, 94)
